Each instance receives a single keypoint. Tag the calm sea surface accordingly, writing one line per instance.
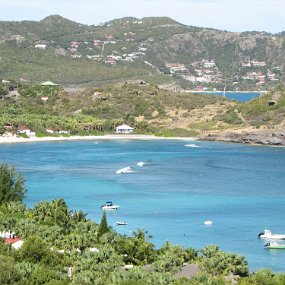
(240, 188)
(239, 96)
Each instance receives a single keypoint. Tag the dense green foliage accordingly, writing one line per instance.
(12, 185)
(267, 110)
(259, 111)
(97, 111)
(150, 110)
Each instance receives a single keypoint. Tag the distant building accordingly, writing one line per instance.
(50, 131)
(209, 63)
(44, 98)
(124, 129)
(40, 46)
(26, 131)
(15, 242)
(258, 63)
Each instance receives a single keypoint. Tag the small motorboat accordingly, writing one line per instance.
(127, 169)
(141, 163)
(208, 222)
(191, 145)
(121, 223)
(267, 234)
(109, 206)
(274, 245)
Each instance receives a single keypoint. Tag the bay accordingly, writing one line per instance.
(238, 96)
(182, 184)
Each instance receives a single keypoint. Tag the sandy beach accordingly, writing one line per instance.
(15, 139)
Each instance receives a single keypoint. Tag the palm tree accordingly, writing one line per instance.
(77, 216)
(42, 211)
(59, 211)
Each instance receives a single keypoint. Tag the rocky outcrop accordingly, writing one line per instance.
(258, 138)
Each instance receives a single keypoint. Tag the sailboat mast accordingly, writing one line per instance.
(225, 91)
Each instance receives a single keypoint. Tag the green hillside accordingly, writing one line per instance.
(156, 49)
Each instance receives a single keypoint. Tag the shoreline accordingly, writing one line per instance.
(15, 139)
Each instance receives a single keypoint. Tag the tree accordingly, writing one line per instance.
(34, 250)
(59, 211)
(8, 272)
(12, 185)
(103, 227)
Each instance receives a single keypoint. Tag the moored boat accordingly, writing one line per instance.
(127, 169)
(121, 223)
(267, 234)
(274, 245)
(109, 206)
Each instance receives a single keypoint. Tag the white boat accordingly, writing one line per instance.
(191, 145)
(121, 223)
(109, 206)
(267, 234)
(208, 222)
(127, 169)
(141, 163)
(274, 245)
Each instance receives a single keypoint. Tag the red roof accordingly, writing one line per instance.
(11, 240)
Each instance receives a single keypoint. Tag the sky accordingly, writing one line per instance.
(230, 15)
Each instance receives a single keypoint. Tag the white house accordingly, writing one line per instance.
(15, 242)
(40, 46)
(27, 131)
(124, 129)
(50, 131)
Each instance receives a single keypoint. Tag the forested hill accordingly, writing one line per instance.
(148, 49)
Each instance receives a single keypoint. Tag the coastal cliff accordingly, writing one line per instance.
(265, 138)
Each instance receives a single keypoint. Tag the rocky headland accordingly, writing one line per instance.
(266, 138)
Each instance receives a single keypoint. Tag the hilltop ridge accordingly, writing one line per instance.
(156, 49)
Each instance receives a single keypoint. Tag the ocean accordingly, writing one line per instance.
(181, 184)
(238, 96)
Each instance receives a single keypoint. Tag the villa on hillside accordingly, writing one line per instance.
(124, 129)
(14, 242)
(26, 131)
(40, 46)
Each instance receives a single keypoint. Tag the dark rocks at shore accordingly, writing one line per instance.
(258, 138)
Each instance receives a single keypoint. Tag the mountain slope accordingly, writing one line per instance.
(150, 48)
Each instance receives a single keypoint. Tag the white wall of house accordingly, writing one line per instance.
(124, 129)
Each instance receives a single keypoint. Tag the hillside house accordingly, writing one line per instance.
(75, 44)
(209, 63)
(15, 242)
(110, 61)
(258, 63)
(50, 131)
(124, 129)
(97, 42)
(26, 131)
(8, 127)
(44, 98)
(40, 46)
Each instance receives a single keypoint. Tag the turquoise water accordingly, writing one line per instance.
(240, 188)
(239, 96)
